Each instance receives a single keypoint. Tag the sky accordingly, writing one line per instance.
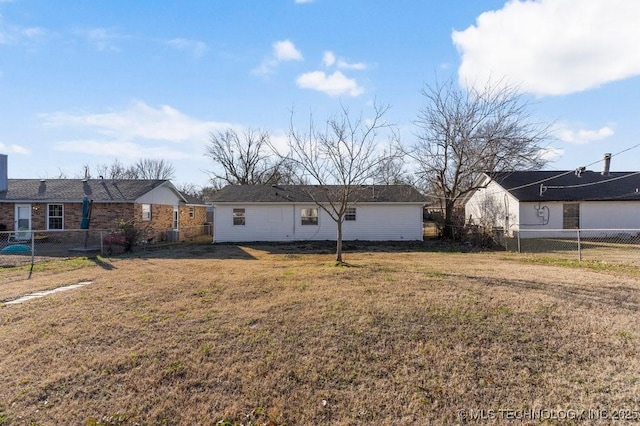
(84, 83)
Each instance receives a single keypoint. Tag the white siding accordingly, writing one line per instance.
(593, 215)
(493, 207)
(282, 222)
(490, 207)
(160, 195)
(540, 215)
(610, 214)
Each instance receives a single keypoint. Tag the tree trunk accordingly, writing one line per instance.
(449, 224)
(339, 242)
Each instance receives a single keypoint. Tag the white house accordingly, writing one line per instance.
(289, 213)
(555, 201)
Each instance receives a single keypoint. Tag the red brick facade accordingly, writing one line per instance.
(107, 216)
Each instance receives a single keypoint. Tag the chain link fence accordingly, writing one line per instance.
(607, 245)
(28, 247)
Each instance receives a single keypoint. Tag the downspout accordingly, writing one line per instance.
(294, 223)
(213, 225)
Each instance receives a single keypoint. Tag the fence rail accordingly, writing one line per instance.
(609, 245)
(24, 247)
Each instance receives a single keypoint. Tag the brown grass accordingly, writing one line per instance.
(272, 335)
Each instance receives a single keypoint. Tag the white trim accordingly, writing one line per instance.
(16, 219)
(48, 217)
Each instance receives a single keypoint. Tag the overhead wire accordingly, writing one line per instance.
(564, 173)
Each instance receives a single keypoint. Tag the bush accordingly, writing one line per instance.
(131, 234)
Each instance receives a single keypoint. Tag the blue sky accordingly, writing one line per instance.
(87, 82)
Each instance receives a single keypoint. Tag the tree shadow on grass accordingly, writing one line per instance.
(101, 263)
(329, 247)
(617, 297)
(221, 251)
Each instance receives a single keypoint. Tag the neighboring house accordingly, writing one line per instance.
(289, 213)
(555, 200)
(56, 204)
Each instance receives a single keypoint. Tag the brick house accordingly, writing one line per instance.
(56, 204)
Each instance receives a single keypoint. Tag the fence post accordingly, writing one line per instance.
(33, 252)
(101, 243)
(579, 247)
(519, 250)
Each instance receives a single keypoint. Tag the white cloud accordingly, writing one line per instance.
(194, 47)
(352, 65)
(13, 149)
(551, 154)
(303, 1)
(139, 121)
(552, 47)
(119, 149)
(285, 50)
(13, 34)
(335, 84)
(329, 59)
(281, 51)
(583, 136)
(101, 38)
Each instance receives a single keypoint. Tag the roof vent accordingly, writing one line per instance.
(607, 164)
(4, 173)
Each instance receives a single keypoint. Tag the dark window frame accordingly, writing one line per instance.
(350, 214)
(239, 217)
(59, 219)
(571, 216)
(147, 215)
(307, 216)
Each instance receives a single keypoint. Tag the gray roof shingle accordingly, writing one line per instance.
(307, 193)
(569, 186)
(74, 190)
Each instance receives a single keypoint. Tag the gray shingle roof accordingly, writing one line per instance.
(74, 190)
(307, 193)
(190, 199)
(567, 186)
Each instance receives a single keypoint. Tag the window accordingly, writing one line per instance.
(176, 219)
(238, 217)
(192, 212)
(309, 216)
(146, 212)
(571, 216)
(55, 214)
(350, 213)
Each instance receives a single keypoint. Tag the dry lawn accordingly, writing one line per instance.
(271, 336)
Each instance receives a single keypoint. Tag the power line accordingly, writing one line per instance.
(541, 181)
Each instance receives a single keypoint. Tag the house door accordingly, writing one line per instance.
(176, 216)
(23, 217)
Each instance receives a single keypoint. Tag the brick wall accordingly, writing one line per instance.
(200, 216)
(108, 215)
(6, 215)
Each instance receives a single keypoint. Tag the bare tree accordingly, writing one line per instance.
(152, 168)
(203, 193)
(115, 170)
(86, 173)
(245, 159)
(339, 159)
(144, 168)
(465, 133)
(392, 170)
